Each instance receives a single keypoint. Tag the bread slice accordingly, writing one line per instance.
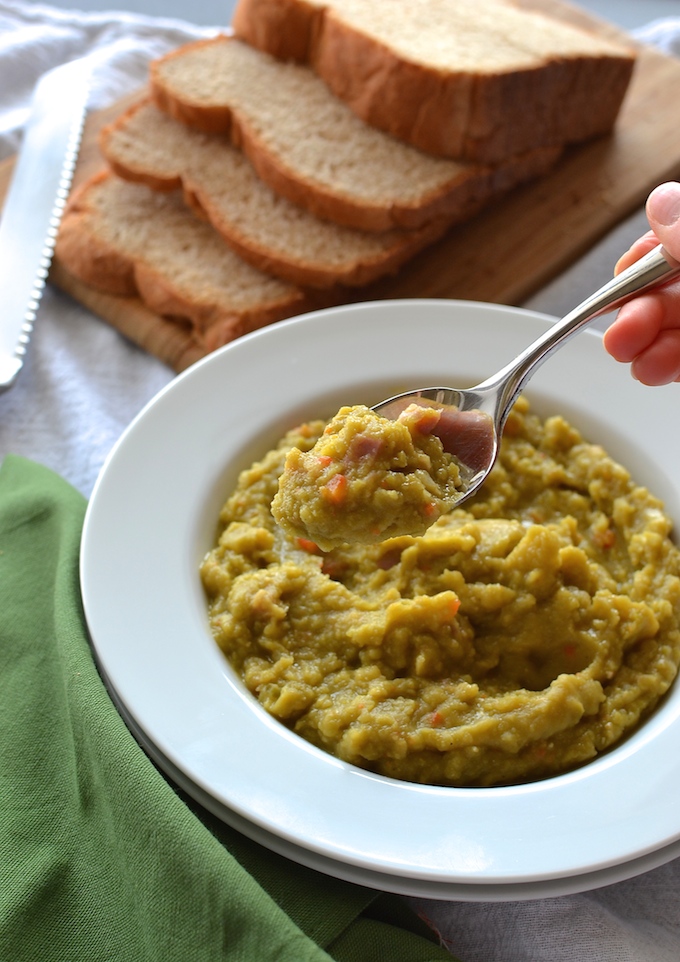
(126, 239)
(312, 149)
(146, 145)
(474, 79)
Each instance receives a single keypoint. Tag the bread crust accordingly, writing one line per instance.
(85, 255)
(209, 119)
(464, 189)
(373, 257)
(307, 273)
(91, 258)
(323, 201)
(484, 117)
(285, 28)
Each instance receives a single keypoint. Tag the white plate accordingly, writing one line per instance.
(152, 517)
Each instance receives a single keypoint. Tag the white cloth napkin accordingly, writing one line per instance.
(35, 37)
(663, 34)
(82, 385)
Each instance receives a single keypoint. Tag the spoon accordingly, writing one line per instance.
(472, 420)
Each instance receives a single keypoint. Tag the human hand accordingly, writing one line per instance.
(646, 331)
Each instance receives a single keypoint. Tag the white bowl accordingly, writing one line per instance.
(153, 515)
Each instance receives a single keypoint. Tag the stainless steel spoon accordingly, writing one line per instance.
(472, 420)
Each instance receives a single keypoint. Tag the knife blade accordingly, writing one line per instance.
(35, 201)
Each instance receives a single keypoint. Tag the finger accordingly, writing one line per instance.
(663, 214)
(643, 245)
(659, 363)
(636, 327)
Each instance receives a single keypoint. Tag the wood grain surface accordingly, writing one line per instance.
(507, 252)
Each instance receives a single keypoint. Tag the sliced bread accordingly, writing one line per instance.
(475, 79)
(312, 149)
(146, 145)
(126, 239)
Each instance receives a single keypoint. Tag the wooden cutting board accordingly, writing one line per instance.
(510, 250)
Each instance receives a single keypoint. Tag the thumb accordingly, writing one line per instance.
(663, 214)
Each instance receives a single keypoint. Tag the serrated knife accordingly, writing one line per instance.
(34, 204)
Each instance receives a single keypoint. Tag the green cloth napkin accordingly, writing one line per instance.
(100, 857)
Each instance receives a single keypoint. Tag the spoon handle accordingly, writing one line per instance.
(653, 269)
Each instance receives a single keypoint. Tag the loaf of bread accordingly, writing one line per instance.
(312, 149)
(219, 184)
(474, 79)
(248, 192)
(126, 239)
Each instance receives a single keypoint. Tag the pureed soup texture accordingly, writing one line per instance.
(521, 635)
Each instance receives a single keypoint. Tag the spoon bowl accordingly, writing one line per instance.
(472, 419)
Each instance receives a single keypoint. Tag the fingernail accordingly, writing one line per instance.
(664, 204)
